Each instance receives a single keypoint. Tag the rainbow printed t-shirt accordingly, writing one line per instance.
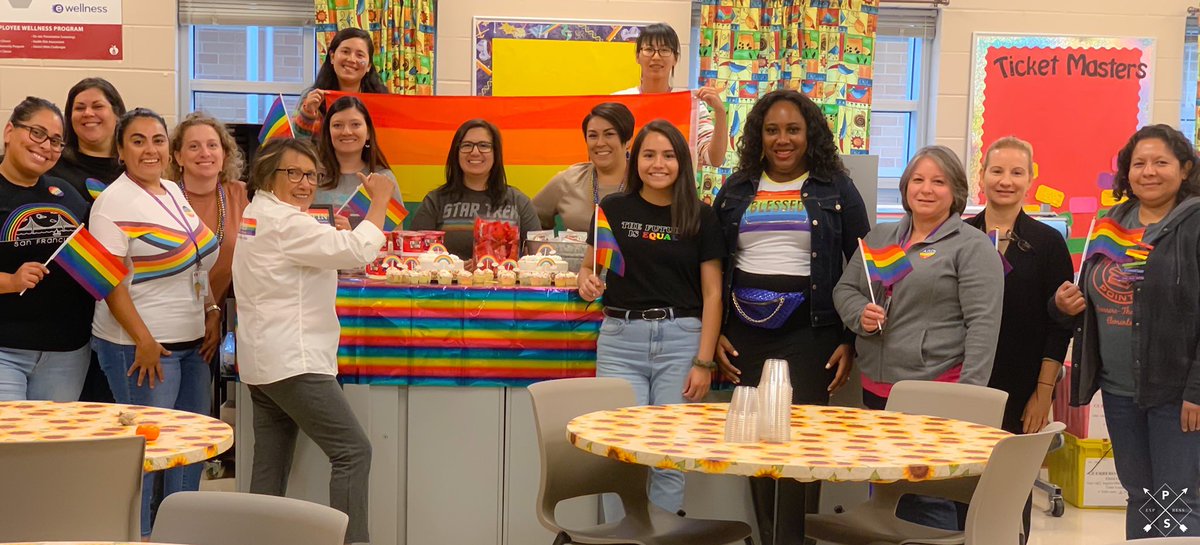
(775, 237)
(161, 256)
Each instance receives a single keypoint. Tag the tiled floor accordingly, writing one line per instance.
(1076, 526)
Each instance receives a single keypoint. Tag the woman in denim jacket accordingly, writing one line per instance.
(790, 216)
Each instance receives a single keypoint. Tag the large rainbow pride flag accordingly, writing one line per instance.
(541, 135)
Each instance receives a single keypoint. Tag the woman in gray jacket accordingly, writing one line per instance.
(940, 322)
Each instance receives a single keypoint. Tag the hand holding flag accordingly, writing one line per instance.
(89, 263)
(360, 203)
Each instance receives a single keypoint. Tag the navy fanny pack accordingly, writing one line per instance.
(765, 309)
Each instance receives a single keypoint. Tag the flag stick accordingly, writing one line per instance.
(862, 251)
(595, 240)
(1087, 241)
(997, 241)
(56, 251)
(291, 127)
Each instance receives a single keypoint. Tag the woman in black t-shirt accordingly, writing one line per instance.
(663, 302)
(89, 160)
(45, 317)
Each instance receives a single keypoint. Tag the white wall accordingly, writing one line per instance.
(145, 77)
(1163, 20)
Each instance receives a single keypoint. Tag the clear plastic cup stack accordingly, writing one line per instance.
(741, 424)
(775, 403)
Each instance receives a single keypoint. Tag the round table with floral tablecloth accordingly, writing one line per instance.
(184, 438)
(828, 443)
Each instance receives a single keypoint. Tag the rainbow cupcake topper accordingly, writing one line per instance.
(508, 264)
(438, 248)
(545, 249)
(412, 263)
(443, 260)
(547, 263)
(486, 262)
(392, 261)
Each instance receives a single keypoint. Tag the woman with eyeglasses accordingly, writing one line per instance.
(348, 147)
(45, 316)
(476, 186)
(1032, 345)
(148, 332)
(658, 52)
(285, 273)
(348, 68)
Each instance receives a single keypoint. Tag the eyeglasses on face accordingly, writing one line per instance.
(663, 52)
(468, 147)
(296, 175)
(40, 136)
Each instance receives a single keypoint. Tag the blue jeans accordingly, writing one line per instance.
(36, 374)
(1151, 452)
(655, 357)
(185, 387)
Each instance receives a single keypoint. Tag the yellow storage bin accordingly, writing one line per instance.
(1085, 470)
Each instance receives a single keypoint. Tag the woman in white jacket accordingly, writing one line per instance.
(285, 275)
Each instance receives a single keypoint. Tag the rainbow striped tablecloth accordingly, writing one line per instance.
(463, 336)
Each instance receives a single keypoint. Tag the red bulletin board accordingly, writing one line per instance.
(1077, 100)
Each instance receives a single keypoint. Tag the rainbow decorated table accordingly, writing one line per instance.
(463, 335)
(828, 443)
(184, 438)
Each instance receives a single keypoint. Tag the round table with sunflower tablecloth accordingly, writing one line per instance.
(184, 438)
(828, 443)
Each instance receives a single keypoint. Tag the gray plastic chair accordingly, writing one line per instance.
(568, 472)
(232, 518)
(80, 490)
(996, 505)
(966, 402)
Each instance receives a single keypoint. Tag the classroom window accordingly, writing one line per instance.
(235, 72)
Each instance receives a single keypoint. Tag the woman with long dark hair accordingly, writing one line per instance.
(790, 215)
(663, 306)
(347, 147)
(89, 160)
(1137, 329)
(476, 186)
(348, 68)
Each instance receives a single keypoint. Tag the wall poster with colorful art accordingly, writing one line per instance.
(1076, 99)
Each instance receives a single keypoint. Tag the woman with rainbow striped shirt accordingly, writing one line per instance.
(147, 333)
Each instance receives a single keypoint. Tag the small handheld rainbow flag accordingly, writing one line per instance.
(608, 253)
(277, 124)
(89, 263)
(994, 236)
(1108, 238)
(886, 265)
(360, 202)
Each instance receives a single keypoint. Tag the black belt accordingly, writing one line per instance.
(651, 314)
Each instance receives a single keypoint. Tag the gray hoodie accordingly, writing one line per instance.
(945, 313)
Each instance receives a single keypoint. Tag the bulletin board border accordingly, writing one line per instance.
(984, 41)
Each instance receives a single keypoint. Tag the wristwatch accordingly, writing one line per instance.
(710, 365)
(211, 308)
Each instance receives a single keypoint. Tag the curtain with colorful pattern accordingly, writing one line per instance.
(403, 32)
(823, 48)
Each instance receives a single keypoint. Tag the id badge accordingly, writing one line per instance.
(200, 284)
